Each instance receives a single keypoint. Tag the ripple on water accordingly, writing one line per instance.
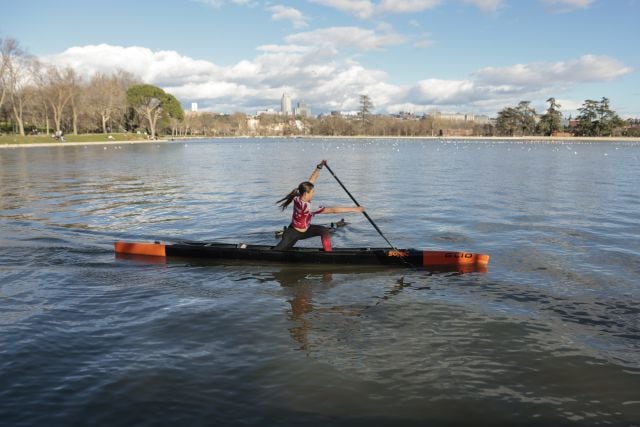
(549, 334)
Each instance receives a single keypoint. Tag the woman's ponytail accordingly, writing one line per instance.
(304, 187)
(286, 200)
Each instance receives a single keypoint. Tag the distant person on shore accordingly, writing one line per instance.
(301, 227)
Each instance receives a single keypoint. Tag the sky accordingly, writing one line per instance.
(419, 56)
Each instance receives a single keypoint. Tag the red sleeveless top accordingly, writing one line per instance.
(302, 214)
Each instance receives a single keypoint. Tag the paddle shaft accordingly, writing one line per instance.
(358, 204)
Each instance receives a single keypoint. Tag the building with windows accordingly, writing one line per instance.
(285, 105)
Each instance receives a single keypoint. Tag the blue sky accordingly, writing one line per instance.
(472, 56)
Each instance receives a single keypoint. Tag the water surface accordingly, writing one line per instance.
(550, 335)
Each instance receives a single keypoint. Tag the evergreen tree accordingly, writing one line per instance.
(365, 109)
(507, 121)
(520, 120)
(551, 121)
(526, 118)
(152, 104)
(597, 118)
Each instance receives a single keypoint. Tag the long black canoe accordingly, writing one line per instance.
(353, 256)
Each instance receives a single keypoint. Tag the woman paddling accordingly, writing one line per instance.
(301, 227)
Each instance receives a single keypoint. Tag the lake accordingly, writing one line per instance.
(549, 335)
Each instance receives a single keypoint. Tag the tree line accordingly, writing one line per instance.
(596, 118)
(35, 97)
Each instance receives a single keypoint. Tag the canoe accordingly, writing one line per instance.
(347, 256)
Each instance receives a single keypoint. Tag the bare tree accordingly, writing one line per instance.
(16, 78)
(59, 90)
(107, 97)
(4, 49)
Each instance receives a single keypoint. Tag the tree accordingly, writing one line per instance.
(507, 121)
(5, 53)
(526, 118)
(75, 87)
(152, 103)
(551, 121)
(597, 118)
(16, 76)
(519, 120)
(60, 85)
(365, 109)
(107, 97)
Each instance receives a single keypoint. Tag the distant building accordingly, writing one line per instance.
(285, 105)
(194, 107)
(461, 117)
(303, 110)
(405, 115)
(268, 111)
(484, 120)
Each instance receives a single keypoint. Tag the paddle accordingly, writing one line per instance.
(358, 204)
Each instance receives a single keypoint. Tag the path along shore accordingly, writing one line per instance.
(539, 139)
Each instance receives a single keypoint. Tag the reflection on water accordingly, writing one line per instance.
(300, 285)
(548, 336)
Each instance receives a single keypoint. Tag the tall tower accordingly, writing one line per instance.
(285, 104)
(303, 109)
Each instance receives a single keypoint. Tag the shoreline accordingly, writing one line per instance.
(78, 143)
(547, 139)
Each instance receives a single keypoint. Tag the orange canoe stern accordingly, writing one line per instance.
(435, 258)
(148, 249)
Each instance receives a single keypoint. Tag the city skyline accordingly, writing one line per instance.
(473, 56)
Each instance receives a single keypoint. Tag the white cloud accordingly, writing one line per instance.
(568, 104)
(328, 81)
(348, 38)
(285, 13)
(366, 9)
(486, 5)
(443, 92)
(560, 6)
(362, 9)
(588, 68)
(162, 67)
(406, 6)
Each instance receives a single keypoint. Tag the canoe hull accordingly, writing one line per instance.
(353, 256)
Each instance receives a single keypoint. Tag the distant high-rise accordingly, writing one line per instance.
(303, 110)
(286, 104)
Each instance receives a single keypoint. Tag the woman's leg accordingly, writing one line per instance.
(323, 232)
(289, 238)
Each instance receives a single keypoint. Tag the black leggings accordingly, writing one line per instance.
(291, 236)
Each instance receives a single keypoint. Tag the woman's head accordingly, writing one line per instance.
(304, 191)
(305, 188)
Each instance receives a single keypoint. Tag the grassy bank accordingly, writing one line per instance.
(88, 137)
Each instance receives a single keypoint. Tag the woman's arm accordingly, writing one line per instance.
(316, 172)
(342, 210)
